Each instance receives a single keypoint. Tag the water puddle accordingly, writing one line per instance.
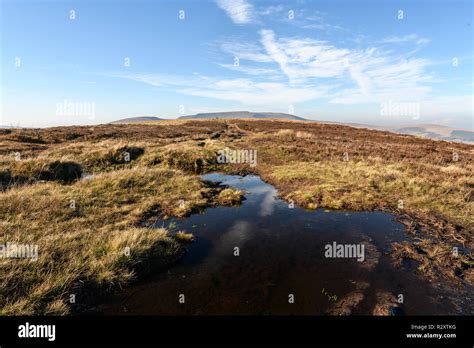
(281, 267)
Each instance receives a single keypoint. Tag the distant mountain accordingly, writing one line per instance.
(432, 131)
(243, 114)
(137, 119)
(436, 132)
(463, 135)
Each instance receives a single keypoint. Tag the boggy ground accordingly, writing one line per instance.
(92, 232)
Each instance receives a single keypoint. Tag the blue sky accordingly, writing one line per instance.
(344, 61)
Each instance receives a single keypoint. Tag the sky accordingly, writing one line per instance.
(376, 62)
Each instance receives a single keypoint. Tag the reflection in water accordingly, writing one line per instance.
(268, 205)
(236, 235)
(281, 251)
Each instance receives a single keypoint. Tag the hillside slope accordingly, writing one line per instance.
(243, 114)
(137, 119)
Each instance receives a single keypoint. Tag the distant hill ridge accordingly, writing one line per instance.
(432, 131)
(243, 114)
(137, 119)
(218, 115)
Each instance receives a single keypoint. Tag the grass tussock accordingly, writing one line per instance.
(112, 159)
(304, 135)
(32, 170)
(184, 237)
(194, 158)
(230, 197)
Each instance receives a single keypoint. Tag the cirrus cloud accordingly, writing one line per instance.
(240, 11)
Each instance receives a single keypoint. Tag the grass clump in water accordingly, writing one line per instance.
(229, 197)
(184, 237)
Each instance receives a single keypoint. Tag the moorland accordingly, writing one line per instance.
(87, 196)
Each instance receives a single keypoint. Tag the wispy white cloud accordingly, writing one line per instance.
(412, 38)
(240, 11)
(383, 78)
(242, 90)
(304, 58)
(245, 51)
(314, 20)
(243, 12)
(293, 70)
(251, 70)
(375, 74)
(248, 92)
(317, 20)
(283, 71)
(271, 10)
